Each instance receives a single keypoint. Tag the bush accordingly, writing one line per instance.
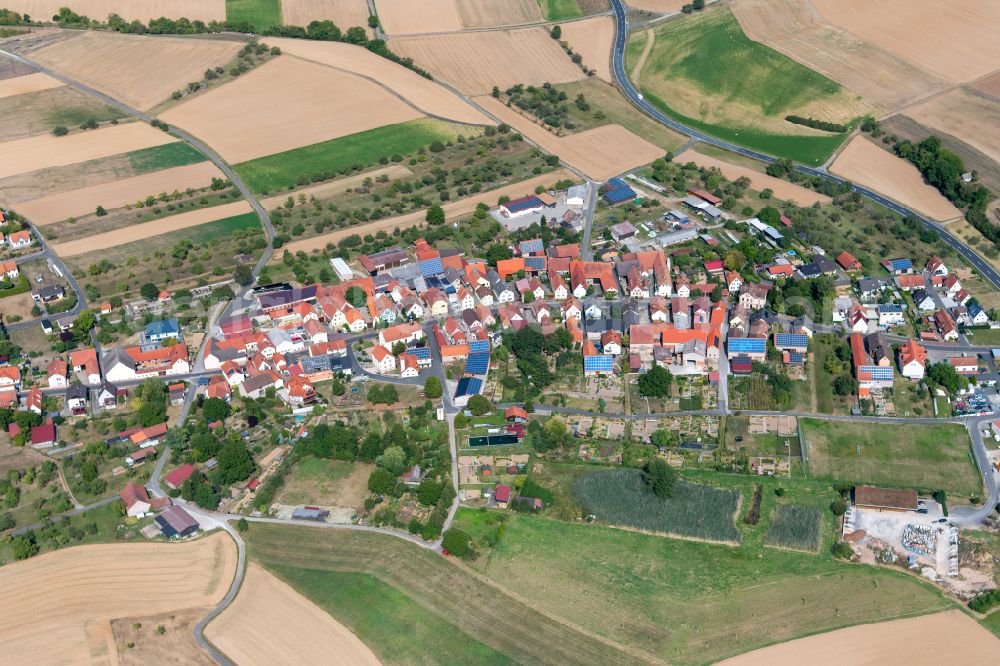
(838, 507)
(479, 405)
(59, 130)
(456, 542)
(842, 550)
(985, 601)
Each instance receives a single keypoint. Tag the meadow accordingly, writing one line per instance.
(157, 158)
(260, 14)
(795, 526)
(325, 160)
(705, 72)
(619, 498)
(560, 10)
(924, 457)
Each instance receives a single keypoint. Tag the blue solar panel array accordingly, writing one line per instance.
(879, 372)
(890, 307)
(601, 363)
(615, 183)
(477, 364)
(529, 246)
(901, 264)
(535, 263)
(616, 191)
(747, 345)
(477, 346)
(795, 358)
(526, 203)
(468, 386)
(783, 340)
(430, 267)
(419, 352)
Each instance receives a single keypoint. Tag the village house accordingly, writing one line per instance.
(912, 360)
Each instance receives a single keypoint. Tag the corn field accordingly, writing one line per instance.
(619, 497)
(795, 526)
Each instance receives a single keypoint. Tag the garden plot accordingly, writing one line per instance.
(20, 85)
(865, 163)
(782, 189)
(596, 426)
(475, 62)
(130, 10)
(287, 103)
(964, 115)
(592, 38)
(116, 194)
(344, 13)
(43, 151)
(140, 71)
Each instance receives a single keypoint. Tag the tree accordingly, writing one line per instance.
(337, 387)
(479, 405)
(381, 482)
(242, 525)
(659, 478)
(432, 388)
(100, 212)
(243, 275)
(945, 376)
(235, 463)
(655, 383)
(842, 550)
(24, 546)
(455, 540)
(769, 215)
(556, 32)
(428, 492)
(393, 459)
(149, 291)
(215, 409)
(60, 130)
(844, 385)
(356, 296)
(435, 215)
(735, 260)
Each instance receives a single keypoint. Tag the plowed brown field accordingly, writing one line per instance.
(287, 103)
(593, 39)
(130, 10)
(270, 623)
(863, 162)
(39, 152)
(758, 181)
(600, 153)
(452, 210)
(57, 607)
(964, 115)
(118, 193)
(140, 71)
(474, 62)
(345, 13)
(28, 83)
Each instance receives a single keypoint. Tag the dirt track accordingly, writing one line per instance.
(865, 163)
(429, 97)
(19, 85)
(270, 623)
(287, 103)
(600, 153)
(474, 62)
(138, 232)
(57, 607)
(920, 640)
(593, 40)
(46, 150)
(118, 193)
(204, 10)
(452, 210)
(758, 181)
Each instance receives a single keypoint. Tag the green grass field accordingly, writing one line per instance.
(705, 72)
(364, 149)
(925, 457)
(313, 479)
(260, 14)
(992, 622)
(166, 156)
(77, 115)
(560, 10)
(219, 228)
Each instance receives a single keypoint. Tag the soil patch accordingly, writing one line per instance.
(865, 163)
(118, 193)
(39, 152)
(899, 642)
(270, 623)
(140, 71)
(965, 116)
(58, 606)
(174, 647)
(19, 85)
(758, 181)
(474, 62)
(593, 39)
(287, 103)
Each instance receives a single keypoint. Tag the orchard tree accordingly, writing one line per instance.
(243, 275)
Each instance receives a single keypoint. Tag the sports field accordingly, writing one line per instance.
(704, 71)
(270, 173)
(925, 457)
(260, 14)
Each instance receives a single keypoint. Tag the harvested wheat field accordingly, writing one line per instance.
(965, 116)
(339, 186)
(479, 14)
(57, 607)
(137, 232)
(600, 153)
(345, 13)
(287, 103)
(474, 62)
(593, 39)
(918, 640)
(175, 647)
(989, 85)
(28, 83)
(140, 71)
(130, 10)
(270, 623)
(796, 29)
(10, 68)
(660, 6)
(405, 17)
(431, 98)
(452, 210)
(957, 41)
(863, 162)
(118, 193)
(40, 152)
(782, 189)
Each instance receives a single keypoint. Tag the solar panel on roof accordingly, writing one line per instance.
(614, 184)
(529, 246)
(620, 194)
(419, 352)
(879, 372)
(535, 263)
(468, 386)
(431, 267)
(602, 363)
(747, 345)
(902, 264)
(795, 357)
(477, 346)
(478, 363)
(783, 340)
(526, 203)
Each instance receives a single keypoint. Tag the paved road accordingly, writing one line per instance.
(47, 253)
(618, 63)
(964, 516)
(587, 254)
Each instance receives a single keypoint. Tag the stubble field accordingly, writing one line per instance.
(964, 115)
(19, 85)
(140, 71)
(402, 17)
(130, 10)
(345, 13)
(593, 39)
(474, 62)
(863, 162)
(285, 104)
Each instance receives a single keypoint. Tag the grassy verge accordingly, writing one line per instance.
(166, 156)
(260, 14)
(925, 457)
(560, 10)
(356, 151)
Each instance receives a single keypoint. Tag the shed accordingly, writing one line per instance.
(175, 522)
